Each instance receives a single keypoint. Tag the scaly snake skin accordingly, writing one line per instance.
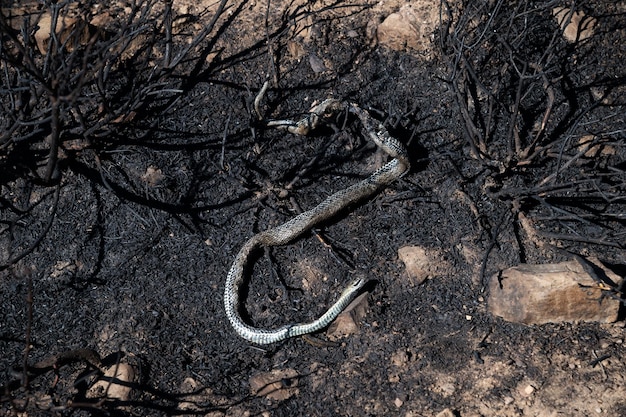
(290, 230)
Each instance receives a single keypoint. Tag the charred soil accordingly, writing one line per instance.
(123, 210)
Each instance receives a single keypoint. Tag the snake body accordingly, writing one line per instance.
(328, 208)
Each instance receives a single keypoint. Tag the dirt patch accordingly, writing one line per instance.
(121, 241)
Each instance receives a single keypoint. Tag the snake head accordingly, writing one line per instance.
(355, 285)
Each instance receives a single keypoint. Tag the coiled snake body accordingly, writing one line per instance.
(290, 230)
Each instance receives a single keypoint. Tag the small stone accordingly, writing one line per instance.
(552, 293)
(400, 358)
(398, 402)
(526, 388)
(189, 385)
(317, 65)
(295, 49)
(153, 176)
(43, 402)
(529, 390)
(447, 388)
(446, 413)
(394, 378)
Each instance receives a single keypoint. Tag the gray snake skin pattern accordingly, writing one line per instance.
(290, 230)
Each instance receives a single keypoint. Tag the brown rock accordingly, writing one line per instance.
(278, 385)
(591, 147)
(421, 263)
(411, 27)
(563, 292)
(576, 26)
(153, 176)
(116, 385)
(347, 322)
(398, 31)
(70, 31)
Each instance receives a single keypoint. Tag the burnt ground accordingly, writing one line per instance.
(125, 248)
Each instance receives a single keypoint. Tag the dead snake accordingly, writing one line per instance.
(290, 230)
